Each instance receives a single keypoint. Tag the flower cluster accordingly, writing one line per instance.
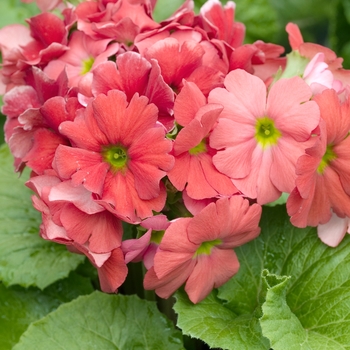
(178, 129)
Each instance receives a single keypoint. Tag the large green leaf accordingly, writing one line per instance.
(20, 307)
(317, 296)
(103, 321)
(217, 325)
(283, 327)
(25, 258)
(278, 323)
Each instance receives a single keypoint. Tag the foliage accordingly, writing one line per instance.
(290, 289)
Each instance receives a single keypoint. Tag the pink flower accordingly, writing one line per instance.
(323, 173)
(145, 247)
(258, 137)
(83, 56)
(71, 217)
(199, 250)
(309, 50)
(132, 73)
(192, 151)
(122, 20)
(184, 60)
(120, 154)
(319, 77)
(219, 22)
(34, 113)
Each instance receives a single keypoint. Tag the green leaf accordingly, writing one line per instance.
(339, 29)
(260, 19)
(318, 292)
(217, 325)
(165, 8)
(25, 258)
(20, 307)
(102, 321)
(283, 327)
(15, 11)
(278, 322)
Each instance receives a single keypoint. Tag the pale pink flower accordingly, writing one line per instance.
(259, 137)
(319, 77)
(309, 50)
(333, 232)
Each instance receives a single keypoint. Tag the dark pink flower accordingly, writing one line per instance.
(120, 153)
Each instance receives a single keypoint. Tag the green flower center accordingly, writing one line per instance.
(326, 159)
(200, 148)
(87, 65)
(156, 236)
(266, 133)
(115, 156)
(206, 247)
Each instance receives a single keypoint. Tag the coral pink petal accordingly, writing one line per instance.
(134, 73)
(176, 175)
(195, 206)
(188, 102)
(81, 136)
(285, 156)
(189, 137)
(291, 114)
(18, 100)
(48, 28)
(294, 35)
(167, 286)
(157, 222)
(103, 231)
(113, 272)
(245, 97)
(83, 164)
(119, 122)
(77, 195)
(342, 163)
(41, 155)
(158, 91)
(106, 77)
(221, 183)
(175, 238)
(198, 186)
(211, 271)
(235, 159)
(13, 36)
(257, 184)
